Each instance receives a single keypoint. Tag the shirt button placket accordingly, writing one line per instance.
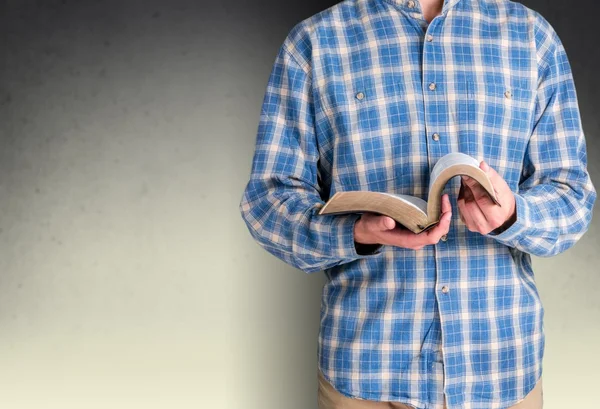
(436, 126)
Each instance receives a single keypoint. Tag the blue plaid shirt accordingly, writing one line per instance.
(354, 99)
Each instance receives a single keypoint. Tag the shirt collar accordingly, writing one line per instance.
(414, 6)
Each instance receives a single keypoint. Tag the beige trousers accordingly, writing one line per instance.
(329, 398)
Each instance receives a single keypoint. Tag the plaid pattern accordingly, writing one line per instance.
(354, 98)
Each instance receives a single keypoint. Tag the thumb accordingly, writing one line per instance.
(386, 223)
(495, 178)
(484, 166)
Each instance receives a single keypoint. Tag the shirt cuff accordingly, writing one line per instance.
(342, 239)
(515, 231)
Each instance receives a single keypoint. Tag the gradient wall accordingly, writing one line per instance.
(127, 277)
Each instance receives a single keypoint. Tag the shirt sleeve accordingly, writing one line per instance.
(555, 196)
(283, 196)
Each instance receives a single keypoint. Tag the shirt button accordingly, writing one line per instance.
(410, 4)
(429, 37)
(445, 289)
(432, 86)
(444, 237)
(360, 95)
(436, 137)
(508, 94)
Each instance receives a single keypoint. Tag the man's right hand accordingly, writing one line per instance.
(378, 229)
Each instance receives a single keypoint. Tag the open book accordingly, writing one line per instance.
(412, 212)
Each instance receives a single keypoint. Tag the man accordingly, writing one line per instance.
(368, 95)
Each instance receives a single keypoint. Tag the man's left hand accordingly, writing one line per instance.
(476, 208)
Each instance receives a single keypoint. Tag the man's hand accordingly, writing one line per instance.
(477, 210)
(377, 229)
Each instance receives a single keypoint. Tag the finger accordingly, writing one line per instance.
(498, 182)
(407, 239)
(446, 207)
(402, 237)
(374, 222)
(474, 216)
(443, 227)
(479, 222)
(444, 224)
(495, 178)
(464, 212)
(479, 194)
(466, 218)
(434, 234)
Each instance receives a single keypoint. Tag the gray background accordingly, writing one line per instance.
(127, 277)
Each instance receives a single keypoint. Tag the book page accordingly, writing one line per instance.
(447, 167)
(449, 160)
(406, 210)
(416, 202)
